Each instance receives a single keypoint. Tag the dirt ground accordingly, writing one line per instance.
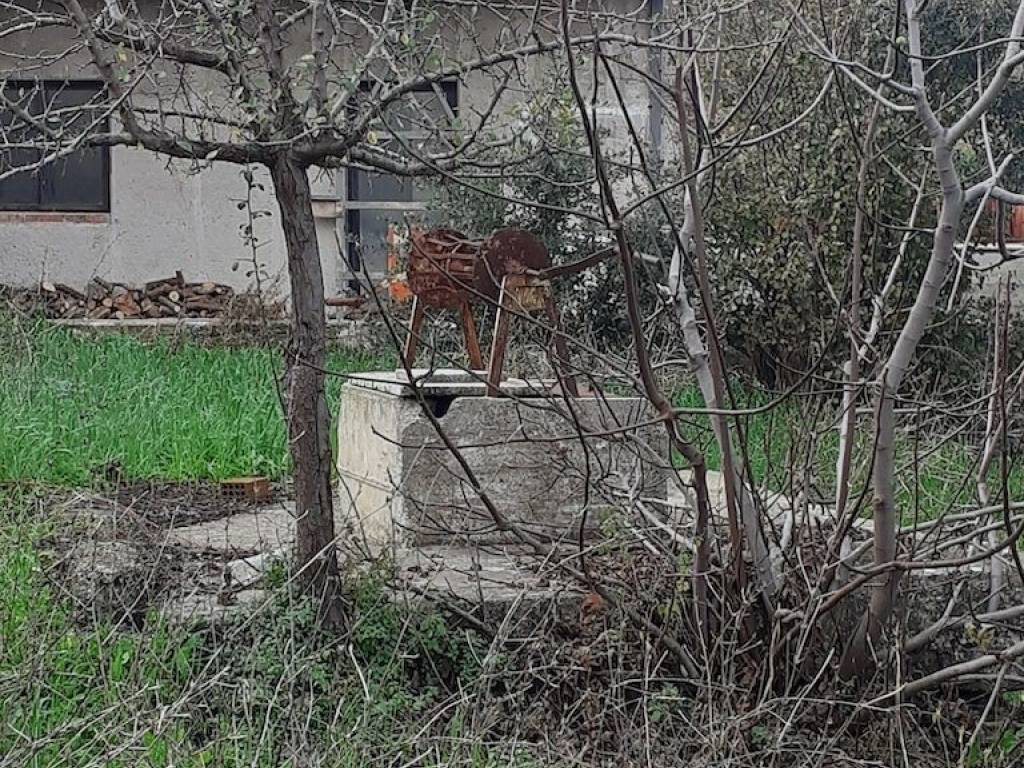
(184, 549)
(169, 504)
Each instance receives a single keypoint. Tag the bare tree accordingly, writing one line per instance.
(887, 99)
(287, 87)
(955, 198)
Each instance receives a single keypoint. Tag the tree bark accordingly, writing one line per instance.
(858, 657)
(307, 416)
(706, 359)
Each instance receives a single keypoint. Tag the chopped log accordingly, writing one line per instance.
(160, 289)
(94, 291)
(153, 284)
(69, 291)
(165, 302)
(167, 297)
(126, 306)
(202, 303)
(204, 289)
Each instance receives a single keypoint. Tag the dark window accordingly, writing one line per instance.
(376, 201)
(44, 116)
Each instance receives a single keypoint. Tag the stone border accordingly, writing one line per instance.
(351, 333)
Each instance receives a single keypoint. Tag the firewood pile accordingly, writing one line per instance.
(169, 297)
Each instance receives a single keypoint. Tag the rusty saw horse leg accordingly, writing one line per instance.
(476, 360)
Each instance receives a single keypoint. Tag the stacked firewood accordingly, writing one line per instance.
(169, 297)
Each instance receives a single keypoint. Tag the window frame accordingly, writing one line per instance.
(353, 206)
(45, 175)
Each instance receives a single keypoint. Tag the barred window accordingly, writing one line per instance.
(375, 202)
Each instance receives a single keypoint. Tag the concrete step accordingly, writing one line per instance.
(493, 574)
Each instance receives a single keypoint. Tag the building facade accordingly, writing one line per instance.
(130, 215)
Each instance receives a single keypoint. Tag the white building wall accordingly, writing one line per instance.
(162, 218)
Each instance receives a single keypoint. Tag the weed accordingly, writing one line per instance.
(271, 691)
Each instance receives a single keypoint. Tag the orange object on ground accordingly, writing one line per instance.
(398, 289)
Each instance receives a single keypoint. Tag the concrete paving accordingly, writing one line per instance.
(490, 573)
(213, 607)
(263, 530)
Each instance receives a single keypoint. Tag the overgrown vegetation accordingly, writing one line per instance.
(271, 691)
(810, 223)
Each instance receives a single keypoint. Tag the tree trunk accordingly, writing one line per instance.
(706, 363)
(858, 657)
(307, 415)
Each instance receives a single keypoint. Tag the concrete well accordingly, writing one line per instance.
(400, 486)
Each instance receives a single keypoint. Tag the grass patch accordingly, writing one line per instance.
(933, 475)
(71, 405)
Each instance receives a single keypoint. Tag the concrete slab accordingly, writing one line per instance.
(776, 503)
(213, 608)
(263, 530)
(446, 382)
(245, 572)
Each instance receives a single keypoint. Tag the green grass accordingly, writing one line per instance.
(70, 405)
(933, 476)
